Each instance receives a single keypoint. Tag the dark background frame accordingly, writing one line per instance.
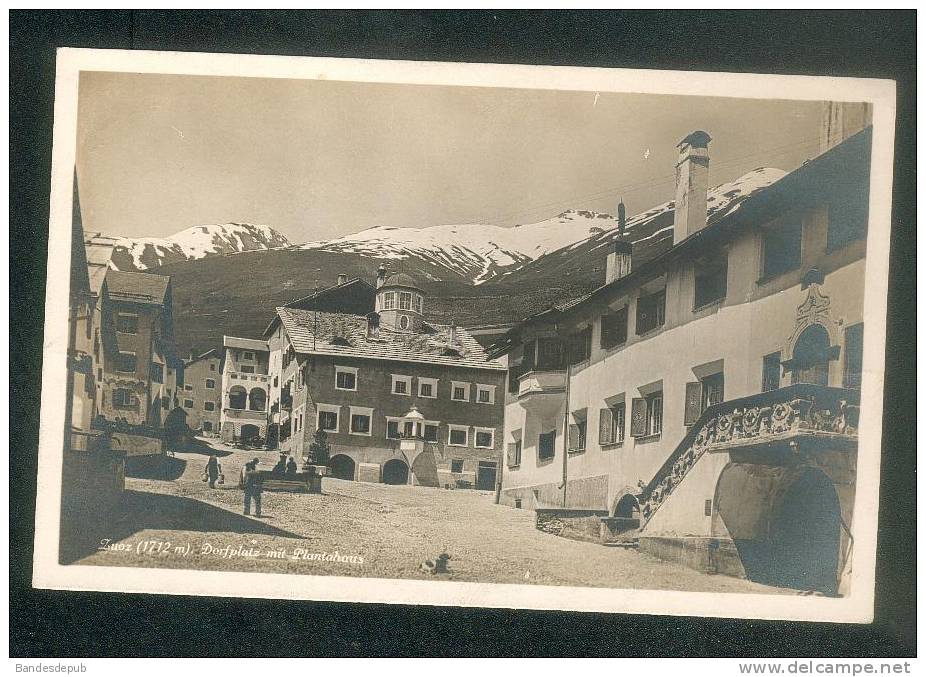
(862, 44)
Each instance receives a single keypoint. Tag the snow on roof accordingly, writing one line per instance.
(323, 333)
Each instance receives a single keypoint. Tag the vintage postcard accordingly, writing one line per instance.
(465, 334)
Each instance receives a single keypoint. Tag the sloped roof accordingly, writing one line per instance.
(246, 343)
(313, 332)
(401, 280)
(137, 287)
(99, 250)
(213, 352)
(332, 291)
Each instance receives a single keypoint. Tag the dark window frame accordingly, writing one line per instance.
(651, 312)
(774, 239)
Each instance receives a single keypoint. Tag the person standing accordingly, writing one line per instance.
(212, 470)
(252, 488)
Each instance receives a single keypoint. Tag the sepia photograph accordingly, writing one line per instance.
(465, 334)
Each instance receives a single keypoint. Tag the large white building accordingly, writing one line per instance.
(703, 403)
(245, 386)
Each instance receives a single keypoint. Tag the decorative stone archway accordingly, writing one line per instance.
(815, 339)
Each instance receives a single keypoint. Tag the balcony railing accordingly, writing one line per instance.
(803, 414)
(542, 382)
(258, 378)
(245, 414)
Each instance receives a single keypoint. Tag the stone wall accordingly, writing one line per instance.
(91, 490)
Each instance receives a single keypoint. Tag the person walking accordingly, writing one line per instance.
(212, 470)
(252, 488)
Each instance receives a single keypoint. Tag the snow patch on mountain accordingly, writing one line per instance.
(198, 242)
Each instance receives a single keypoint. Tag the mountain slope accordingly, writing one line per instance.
(194, 243)
(475, 251)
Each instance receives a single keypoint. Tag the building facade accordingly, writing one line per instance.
(245, 389)
(201, 395)
(400, 400)
(705, 402)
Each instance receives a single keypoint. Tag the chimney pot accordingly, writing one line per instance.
(380, 276)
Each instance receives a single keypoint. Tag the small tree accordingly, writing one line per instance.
(319, 450)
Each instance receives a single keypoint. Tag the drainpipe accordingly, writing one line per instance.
(566, 432)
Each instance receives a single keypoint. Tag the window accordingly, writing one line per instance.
(651, 311)
(579, 346)
(392, 428)
(403, 322)
(458, 436)
(210, 383)
(127, 323)
(211, 367)
(852, 377)
(456, 465)
(125, 363)
(419, 303)
(711, 390)
(408, 429)
(247, 369)
(430, 432)
(123, 397)
(207, 426)
(405, 300)
(710, 283)
(157, 372)
(389, 300)
(345, 378)
(248, 355)
(485, 394)
(611, 425)
(847, 219)
(546, 446)
(781, 249)
(360, 421)
(485, 438)
(209, 406)
(187, 404)
(550, 354)
(771, 372)
(514, 453)
(578, 430)
(614, 328)
(459, 391)
(328, 417)
(646, 415)
(188, 387)
(401, 385)
(427, 387)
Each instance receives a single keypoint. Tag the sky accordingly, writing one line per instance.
(318, 159)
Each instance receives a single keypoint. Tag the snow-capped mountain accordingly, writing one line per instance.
(650, 231)
(144, 253)
(482, 252)
(478, 252)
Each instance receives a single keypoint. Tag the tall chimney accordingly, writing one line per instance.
(691, 175)
(380, 276)
(621, 254)
(342, 278)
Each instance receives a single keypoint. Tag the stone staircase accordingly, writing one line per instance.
(802, 409)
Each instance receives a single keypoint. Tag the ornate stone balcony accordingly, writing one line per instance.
(770, 425)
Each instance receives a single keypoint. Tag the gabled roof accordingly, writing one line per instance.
(314, 333)
(847, 161)
(99, 250)
(246, 343)
(137, 287)
(214, 353)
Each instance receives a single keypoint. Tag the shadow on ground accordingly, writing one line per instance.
(195, 446)
(155, 468)
(142, 510)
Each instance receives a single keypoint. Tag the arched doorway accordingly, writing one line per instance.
(237, 398)
(627, 507)
(249, 432)
(342, 467)
(811, 358)
(257, 399)
(785, 523)
(805, 534)
(395, 472)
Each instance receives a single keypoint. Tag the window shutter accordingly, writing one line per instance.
(605, 427)
(692, 402)
(573, 437)
(638, 417)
